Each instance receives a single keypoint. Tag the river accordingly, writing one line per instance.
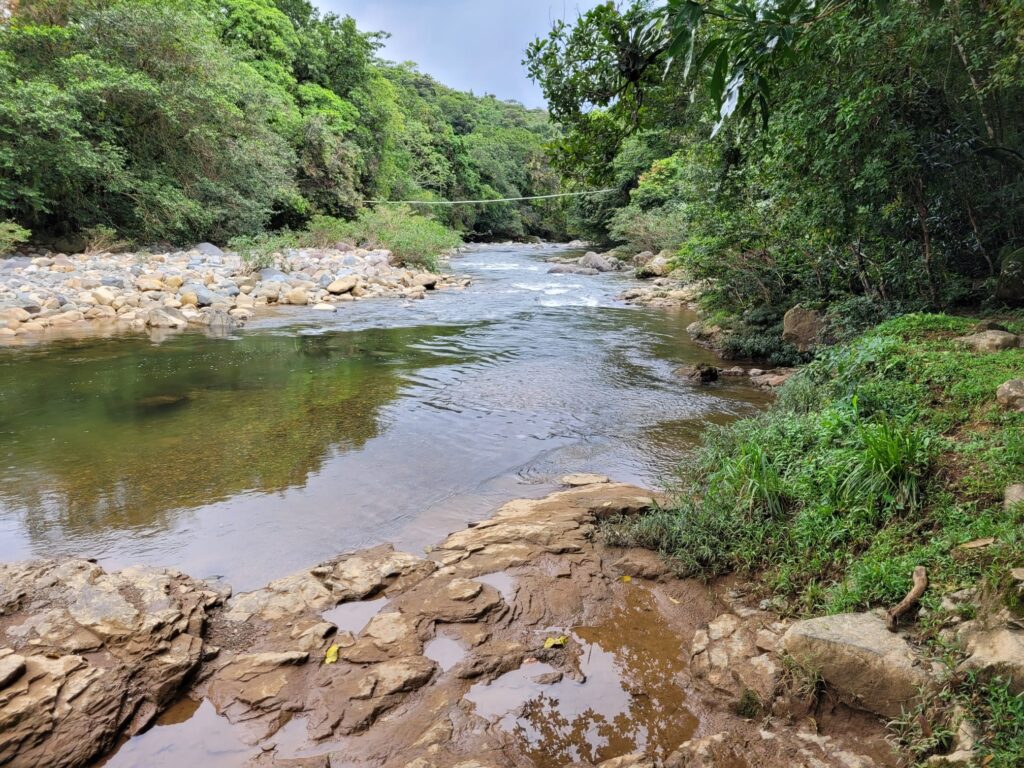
(249, 457)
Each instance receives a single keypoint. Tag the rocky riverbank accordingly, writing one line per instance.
(520, 641)
(53, 295)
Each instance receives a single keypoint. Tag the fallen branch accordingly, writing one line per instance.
(908, 602)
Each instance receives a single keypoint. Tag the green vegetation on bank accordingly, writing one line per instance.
(800, 152)
(885, 453)
(174, 120)
(882, 455)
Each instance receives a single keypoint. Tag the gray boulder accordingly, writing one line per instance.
(571, 269)
(871, 668)
(595, 261)
(209, 249)
(204, 296)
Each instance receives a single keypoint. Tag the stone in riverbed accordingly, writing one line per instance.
(571, 269)
(871, 667)
(165, 317)
(325, 307)
(343, 285)
(297, 296)
(581, 478)
(595, 261)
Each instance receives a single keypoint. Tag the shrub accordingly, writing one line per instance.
(11, 235)
(412, 238)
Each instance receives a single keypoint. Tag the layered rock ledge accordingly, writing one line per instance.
(614, 661)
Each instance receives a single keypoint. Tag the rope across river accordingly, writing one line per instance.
(495, 200)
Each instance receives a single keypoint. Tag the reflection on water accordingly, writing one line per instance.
(119, 432)
(187, 734)
(631, 700)
(305, 436)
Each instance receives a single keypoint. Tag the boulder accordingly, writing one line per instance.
(872, 668)
(571, 269)
(802, 327)
(989, 341)
(580, 479)
(642, 258)
(703, 374)
(1010, 288)
(209, 249)
(149, 283)
(165, 317)
(343, 285)
(996, 653)
(425, 280)
(297, 296)
(1011, 395)
(594, 261)
(197, 294)
(656, 267)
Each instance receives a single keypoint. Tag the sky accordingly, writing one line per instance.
(471, 45)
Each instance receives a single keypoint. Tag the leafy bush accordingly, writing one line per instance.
(413, 239)
(11, 235)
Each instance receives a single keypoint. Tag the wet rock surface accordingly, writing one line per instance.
(519, 641)
(54, 295)
(89, 655)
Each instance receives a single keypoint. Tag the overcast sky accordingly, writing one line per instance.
(472, 45)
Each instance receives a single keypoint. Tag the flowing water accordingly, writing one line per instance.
(305, 436)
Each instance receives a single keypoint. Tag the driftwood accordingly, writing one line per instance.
(908, 602)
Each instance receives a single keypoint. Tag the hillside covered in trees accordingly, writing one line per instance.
(185, 120)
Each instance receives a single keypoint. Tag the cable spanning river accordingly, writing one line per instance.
(302, 437)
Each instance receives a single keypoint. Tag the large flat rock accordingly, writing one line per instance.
(871, 667)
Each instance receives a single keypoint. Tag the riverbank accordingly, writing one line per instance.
(57, 296)
(889, 465)
(521, 640)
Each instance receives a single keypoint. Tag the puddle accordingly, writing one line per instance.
(504, 582)
(445, 651)
(188, 733)
(353, 617)
(632, 700)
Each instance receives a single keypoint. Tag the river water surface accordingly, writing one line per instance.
(307, 435)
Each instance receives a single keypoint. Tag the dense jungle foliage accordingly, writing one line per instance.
(863, 154)
(184, 120)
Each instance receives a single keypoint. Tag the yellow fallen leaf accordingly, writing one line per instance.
(556, 642)
(332, 655)
(674, 601)
(626, 579)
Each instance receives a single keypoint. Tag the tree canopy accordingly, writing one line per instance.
(182, 120)
(800, 150)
